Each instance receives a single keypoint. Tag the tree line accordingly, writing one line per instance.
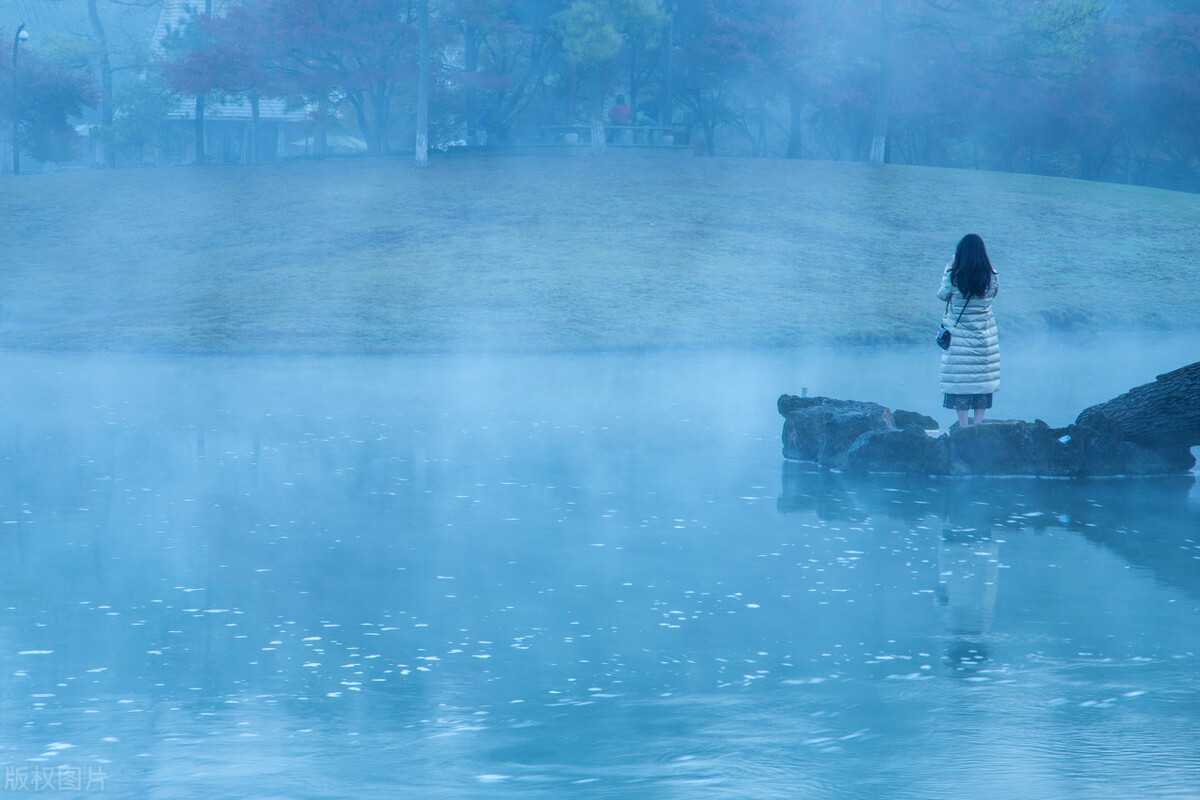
(1060, 87)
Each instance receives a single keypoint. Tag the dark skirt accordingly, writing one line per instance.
(964, 402)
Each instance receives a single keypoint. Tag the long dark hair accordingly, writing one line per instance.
(972, 271)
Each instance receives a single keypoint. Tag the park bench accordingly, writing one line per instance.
(645, 134)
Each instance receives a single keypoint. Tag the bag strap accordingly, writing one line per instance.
(960, 313)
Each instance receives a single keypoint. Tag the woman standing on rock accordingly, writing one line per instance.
(971, 366)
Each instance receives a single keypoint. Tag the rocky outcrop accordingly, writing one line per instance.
(1147, 431)
(823, 430)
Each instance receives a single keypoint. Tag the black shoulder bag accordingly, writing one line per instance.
(943, 334)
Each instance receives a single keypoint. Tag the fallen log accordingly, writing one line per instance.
(1165, 413)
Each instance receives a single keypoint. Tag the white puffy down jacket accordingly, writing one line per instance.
(972, 364)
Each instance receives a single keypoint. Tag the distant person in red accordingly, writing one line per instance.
(620, 113)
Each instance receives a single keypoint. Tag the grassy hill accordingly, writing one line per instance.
(563, 254)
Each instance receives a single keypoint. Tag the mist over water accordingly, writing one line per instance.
(577, 574)
(505, 514)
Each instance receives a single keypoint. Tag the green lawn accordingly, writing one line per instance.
(520, 254)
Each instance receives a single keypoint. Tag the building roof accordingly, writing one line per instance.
(174, 15)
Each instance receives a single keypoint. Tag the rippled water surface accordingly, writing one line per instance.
(584, 576)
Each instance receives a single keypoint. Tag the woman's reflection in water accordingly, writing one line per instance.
(968, 569)
(1150, 523)
(968, 573)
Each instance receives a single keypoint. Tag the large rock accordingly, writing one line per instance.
(1008, 448)
(911, 419)
(910, 450)
(821, 429)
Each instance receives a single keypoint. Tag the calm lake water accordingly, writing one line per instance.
(575, 576)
